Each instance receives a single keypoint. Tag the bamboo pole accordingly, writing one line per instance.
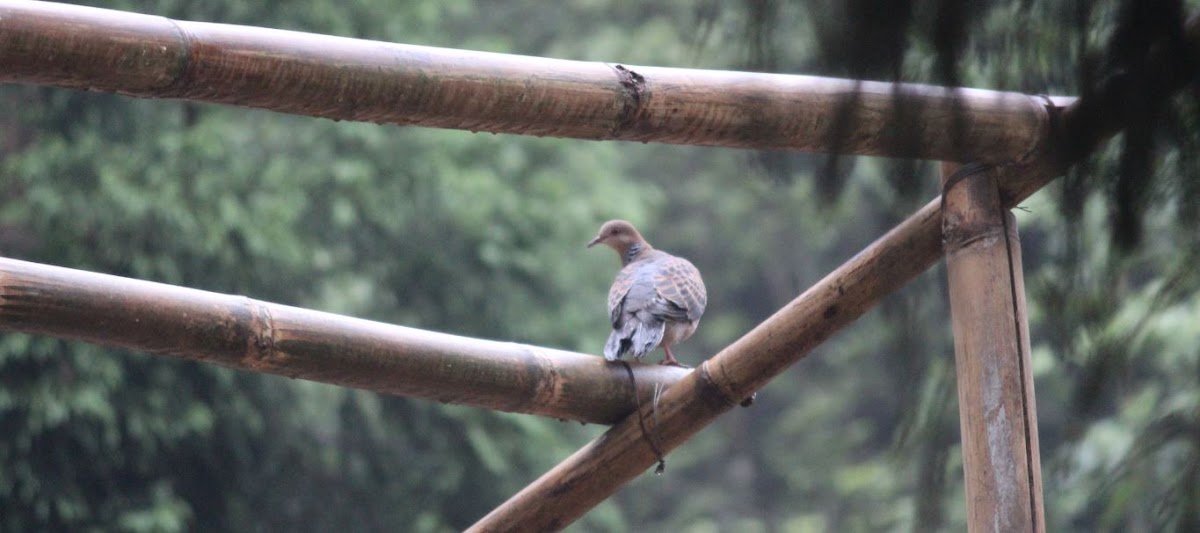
(991, 351)
(350, 79)
(247, 334)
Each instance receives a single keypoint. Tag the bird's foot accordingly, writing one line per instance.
(671, 361)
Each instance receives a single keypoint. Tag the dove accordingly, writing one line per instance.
(656, 299)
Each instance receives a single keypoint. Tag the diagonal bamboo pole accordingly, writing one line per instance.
(991, 351)
(247, 334)
(350, 79)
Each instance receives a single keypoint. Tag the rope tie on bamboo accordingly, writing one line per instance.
(637, 401)
(963, 172)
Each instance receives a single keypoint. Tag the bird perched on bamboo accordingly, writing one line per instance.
(656, 300)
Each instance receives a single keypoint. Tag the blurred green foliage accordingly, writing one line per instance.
(483, 235)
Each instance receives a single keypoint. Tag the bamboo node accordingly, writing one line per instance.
(178, 80)
(964, 228)
(718, 390)
(634, 86)
(262, 335)
(547, 381)
(960, 238)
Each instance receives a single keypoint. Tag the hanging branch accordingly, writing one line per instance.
(351, 79)
(247, 334)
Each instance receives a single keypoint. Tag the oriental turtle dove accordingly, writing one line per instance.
(656, 300)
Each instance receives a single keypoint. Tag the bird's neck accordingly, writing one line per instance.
(633, 252)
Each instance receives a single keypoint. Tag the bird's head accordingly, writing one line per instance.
(620, 236)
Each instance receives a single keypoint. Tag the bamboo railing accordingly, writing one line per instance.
(352, 79)
(1027, 141)
(597, 470)
(247, 334)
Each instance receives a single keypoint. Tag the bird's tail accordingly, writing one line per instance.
(634, 336)
(614, 347)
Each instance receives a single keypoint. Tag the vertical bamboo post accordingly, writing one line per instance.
(991, 352)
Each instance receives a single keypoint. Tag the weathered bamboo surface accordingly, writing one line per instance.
(992, 360)
(247, 334)
(350, 79)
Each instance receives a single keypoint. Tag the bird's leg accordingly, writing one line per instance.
(670, 358)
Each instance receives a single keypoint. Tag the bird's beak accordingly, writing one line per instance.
(594, 242)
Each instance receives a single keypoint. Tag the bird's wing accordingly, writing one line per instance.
(616, 294)
(677, 281)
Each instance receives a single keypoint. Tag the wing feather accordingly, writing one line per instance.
(678, 282)
(645, 295)
(617, 293)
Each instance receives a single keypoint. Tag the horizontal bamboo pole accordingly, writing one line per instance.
(247, 334)
(350, 79)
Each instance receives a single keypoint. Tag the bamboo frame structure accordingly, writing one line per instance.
(1027, 140)
(246, 334)
(353, 79)
(597, 470)
(1077, 126)
(992, 356)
